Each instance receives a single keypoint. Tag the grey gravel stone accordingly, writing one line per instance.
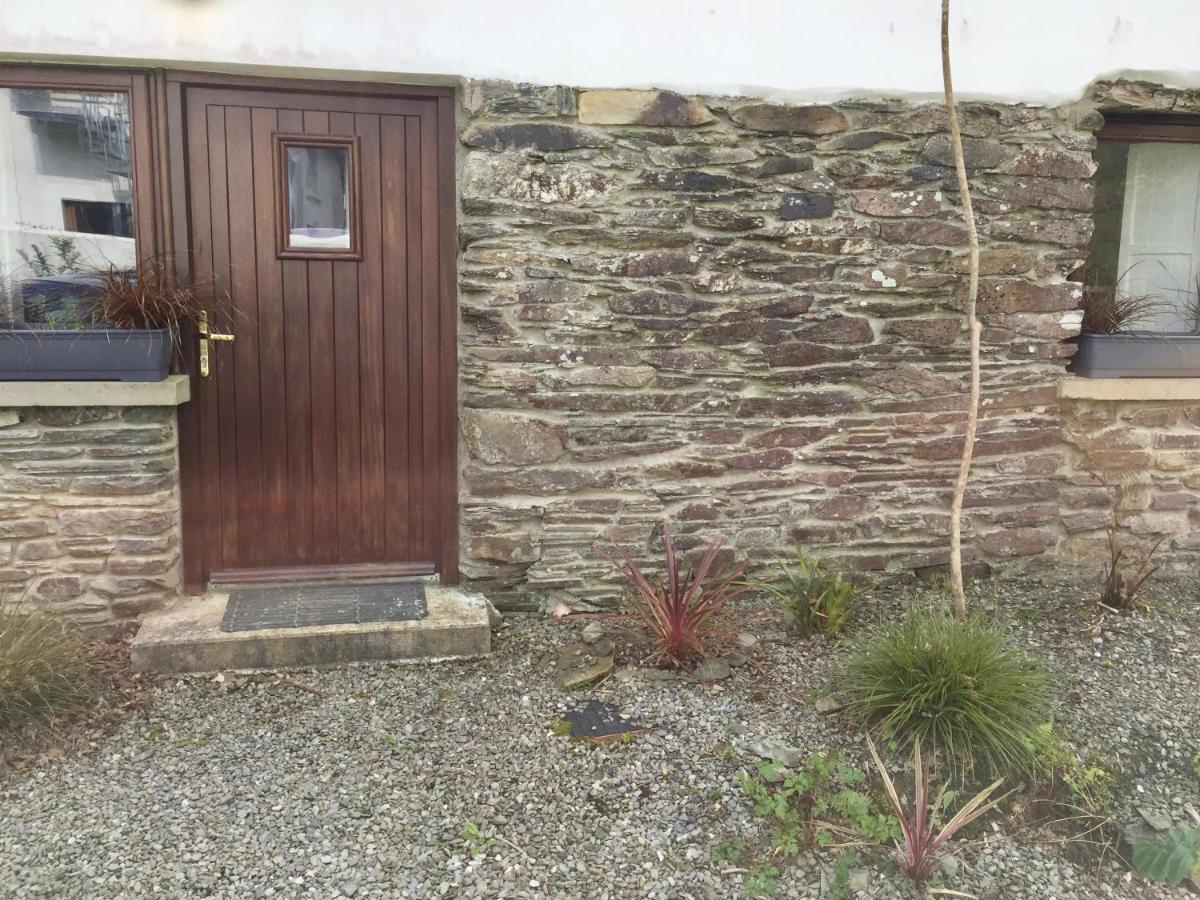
(250, 788)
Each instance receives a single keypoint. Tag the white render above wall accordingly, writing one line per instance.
(1033, 50)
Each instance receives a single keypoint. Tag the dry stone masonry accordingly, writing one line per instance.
(745, 318)
(89, 511)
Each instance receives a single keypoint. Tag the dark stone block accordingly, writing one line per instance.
(806, 206)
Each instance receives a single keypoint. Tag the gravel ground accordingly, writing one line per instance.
(359, 782)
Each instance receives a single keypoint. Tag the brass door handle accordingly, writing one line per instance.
(205, 337)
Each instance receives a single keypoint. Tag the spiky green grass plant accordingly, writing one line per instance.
(816, 601)
(959, 687)
(43, 670)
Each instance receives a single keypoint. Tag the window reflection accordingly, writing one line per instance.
(318, 198)
(66, 200)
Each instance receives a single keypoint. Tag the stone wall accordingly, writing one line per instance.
(89, 511)
(746, 319)
(1144, 459)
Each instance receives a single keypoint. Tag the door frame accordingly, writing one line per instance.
(173, 86)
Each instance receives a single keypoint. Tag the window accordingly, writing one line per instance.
(98, 217)
(1146, 243)
(66, 199)
(318, 196)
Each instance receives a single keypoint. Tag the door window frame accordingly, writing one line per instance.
(283, 245)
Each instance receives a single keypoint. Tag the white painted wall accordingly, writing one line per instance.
(797, 49)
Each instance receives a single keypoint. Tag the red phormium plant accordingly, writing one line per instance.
(924, 838)
(683, 615)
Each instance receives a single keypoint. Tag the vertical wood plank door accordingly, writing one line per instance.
(322, 441)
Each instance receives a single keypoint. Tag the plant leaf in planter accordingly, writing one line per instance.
(1171, 858)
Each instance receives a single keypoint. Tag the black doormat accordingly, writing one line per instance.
(298, 606)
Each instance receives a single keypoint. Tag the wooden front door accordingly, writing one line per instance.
(321, 441)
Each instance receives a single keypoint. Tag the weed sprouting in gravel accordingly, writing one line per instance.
(1085, 786)
(761, 881)
(472, 836)
(816, 804)
(729, 850)
(958, 686)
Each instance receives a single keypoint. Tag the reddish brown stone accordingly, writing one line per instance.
(59, 588)
(503, 549)
(775, 458)
(912, 380)
(24, 528)
(1069, 232)
(898, 203)
(790, 436)
(924, 233)
(1018, 541)
(127, 566)
(813, 120)
(843, 506)
(805, 353)
(1006, 296)
(506, 437)
(112, 521)
(837, 330)
(937, 332)
(787, 308)
(1048, 162)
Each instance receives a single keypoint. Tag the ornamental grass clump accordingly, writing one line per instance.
(684, 616)
(43, 672)
(958, 686)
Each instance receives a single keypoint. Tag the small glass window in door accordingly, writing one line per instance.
(318, 207)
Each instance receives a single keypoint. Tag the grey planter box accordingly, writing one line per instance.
(29, 354)
(1137, 356)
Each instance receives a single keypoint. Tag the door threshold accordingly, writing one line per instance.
(331, 574)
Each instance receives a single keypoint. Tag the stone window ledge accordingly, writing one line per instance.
(1078, 388)
(172, 391)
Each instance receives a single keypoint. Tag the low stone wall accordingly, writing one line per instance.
(89, 511)
(1144, 459)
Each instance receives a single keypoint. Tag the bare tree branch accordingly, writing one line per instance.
(964, 468)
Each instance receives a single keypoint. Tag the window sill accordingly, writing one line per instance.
(175, 390)
(1079, 388)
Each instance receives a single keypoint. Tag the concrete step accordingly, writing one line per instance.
(187, 637)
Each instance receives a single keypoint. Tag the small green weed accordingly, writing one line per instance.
(761, 881)
(1088, 783)
(816, 601)
(816, 804)
(839, 889)
(729, 850)
(470, 835)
